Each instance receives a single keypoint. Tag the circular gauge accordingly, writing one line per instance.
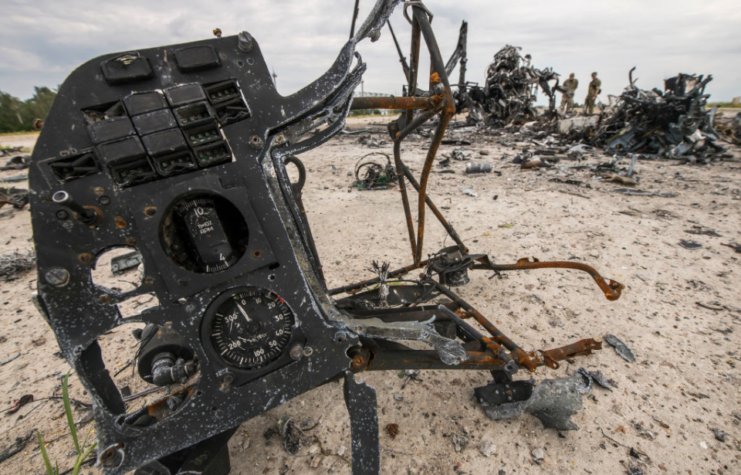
(204, 233)
(251, 328)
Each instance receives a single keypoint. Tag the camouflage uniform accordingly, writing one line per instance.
(567, 98)
(594, 89)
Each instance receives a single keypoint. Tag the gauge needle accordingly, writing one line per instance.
(244, 313)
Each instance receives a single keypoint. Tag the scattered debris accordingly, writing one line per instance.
(372, 175)
(17, 197)
(392, 430)
(691, 245)
(19, 403)
(15, 447)
(487, 448)
(15, 263)
(620, 348)
(538, 455)
(479, 168)
(19, 162)
(469, 192)
(460, 442)
(629, 192)
(291, 434)
(720, 435)
(735, 246)
(553, 401)
(701, 230)
(4, 362)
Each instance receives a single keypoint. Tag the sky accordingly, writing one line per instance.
(42, 41)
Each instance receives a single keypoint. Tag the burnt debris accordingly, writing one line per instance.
(670, 123)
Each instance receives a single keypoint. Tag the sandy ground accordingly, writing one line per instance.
(685, 382)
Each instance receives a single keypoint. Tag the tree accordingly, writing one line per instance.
(18, 116)
(11, 119)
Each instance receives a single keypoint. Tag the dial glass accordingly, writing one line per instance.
(251, 328)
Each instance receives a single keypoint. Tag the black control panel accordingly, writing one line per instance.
(177, 155)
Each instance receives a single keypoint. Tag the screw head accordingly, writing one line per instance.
(297, 352)
(57, 277)
(245, 42)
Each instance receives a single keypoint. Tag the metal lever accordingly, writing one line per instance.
(85, 215)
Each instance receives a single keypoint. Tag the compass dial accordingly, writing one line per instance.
(251, 328)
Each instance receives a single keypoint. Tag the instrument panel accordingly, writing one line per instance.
(177, 155)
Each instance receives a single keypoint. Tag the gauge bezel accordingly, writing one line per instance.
(219, 363)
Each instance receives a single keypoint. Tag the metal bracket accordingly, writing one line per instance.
(360, 400)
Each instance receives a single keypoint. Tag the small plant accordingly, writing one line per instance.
(82, 453)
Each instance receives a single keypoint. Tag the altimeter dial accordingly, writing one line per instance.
(251, 328)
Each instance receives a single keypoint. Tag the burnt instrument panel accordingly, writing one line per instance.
(174, 159)
(178, 153)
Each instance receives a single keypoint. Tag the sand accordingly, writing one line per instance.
(685, 381)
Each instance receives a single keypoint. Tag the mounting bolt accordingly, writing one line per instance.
(340, 337)
(57, 277)
(297, 352)
(245, 42)
(308, 351)
(226, 382)
(256, 142)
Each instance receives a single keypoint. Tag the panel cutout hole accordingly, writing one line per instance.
(119, 269)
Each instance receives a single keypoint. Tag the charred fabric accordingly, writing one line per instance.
(181, 153)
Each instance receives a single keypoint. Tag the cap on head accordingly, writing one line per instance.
(594, 74)
(571, 75)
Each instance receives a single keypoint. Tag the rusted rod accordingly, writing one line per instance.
(448, 227)
(439, 77)
(393, 102)
(419, 120)
(612, 290)
(422, 190)
(497, 335)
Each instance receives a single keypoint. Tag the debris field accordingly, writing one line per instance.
(666, 230)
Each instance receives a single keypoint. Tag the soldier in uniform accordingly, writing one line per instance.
(594, 89)
(567, 98)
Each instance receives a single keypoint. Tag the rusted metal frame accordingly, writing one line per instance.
(419, 120)
(612, 290)
(402, 59)
(422, 189)
(439, 76)
(532, 359)
(498, 337)
(366, 359)
(392, 102)
(448, 227)
(510, 365)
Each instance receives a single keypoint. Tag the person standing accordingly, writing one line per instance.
(595, 87)
(567, 98)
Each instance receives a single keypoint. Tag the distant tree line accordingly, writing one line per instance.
(18, 116)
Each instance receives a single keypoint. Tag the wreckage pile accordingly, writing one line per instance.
(509, 92)
(671, 123)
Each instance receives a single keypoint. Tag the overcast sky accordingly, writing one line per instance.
(42, 41)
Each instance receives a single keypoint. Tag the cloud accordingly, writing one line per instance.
(42, 41)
